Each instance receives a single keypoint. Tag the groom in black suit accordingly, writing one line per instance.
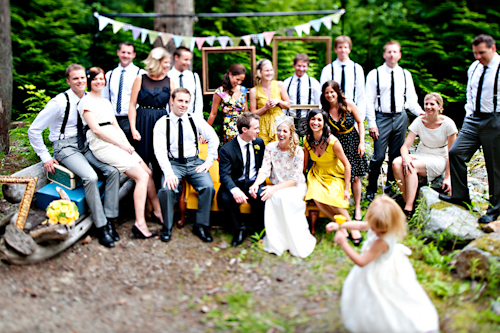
(240, 160)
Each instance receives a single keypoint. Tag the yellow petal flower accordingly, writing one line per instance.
(52, 221)
(63, 220)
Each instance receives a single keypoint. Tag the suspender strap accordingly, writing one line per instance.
(195, 131)
(354, 90)
(288, 89)
(194, 104)
(378, 93)
(332, 69)
(495, 91)
(66, 115)
(404, 103)
(310, 91)
(109, 85)
(470, 92)
(169, 154)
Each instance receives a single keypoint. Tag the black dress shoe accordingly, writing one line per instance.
(238, 237)
(461, 202)
(112, 232)
(139, 235)
(370, 196)
(165, 235)
(488, 218)
(104, 237)
(203, 233)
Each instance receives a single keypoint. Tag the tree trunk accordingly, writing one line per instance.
(182, 26)
(5, 75)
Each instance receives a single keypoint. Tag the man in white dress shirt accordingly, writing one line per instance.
(481, 127)
(119, 83)
(302, 89)
(184, 78)
(348, 74)
(61, 116)
(177, 155)
(389, 92)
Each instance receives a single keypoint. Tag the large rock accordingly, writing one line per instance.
(475, 259)
(14, 193)
(442, 217)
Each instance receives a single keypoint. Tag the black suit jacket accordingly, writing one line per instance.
(231, 161)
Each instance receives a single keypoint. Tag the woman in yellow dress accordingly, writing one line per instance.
(326, 184)
(267, 99)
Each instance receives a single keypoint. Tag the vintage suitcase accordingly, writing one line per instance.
(48, 193)
(65, 178)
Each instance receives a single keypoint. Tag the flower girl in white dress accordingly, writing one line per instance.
(381, 293)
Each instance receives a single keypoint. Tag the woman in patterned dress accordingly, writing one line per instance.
(232, 97)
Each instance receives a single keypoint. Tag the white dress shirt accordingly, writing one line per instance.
(52, 116)
(385, 92)
(351, 81)
(190, 148)
(188, 81)
(291, 87)
(474, 74)
(112, 86)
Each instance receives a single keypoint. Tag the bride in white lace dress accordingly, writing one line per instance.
(284, 218)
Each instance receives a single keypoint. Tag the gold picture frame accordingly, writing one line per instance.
(310, 39)
(206, 51)
(25, 205)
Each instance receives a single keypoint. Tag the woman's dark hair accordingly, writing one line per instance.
(326, 129)
(92, 73)
(340, 97)
(234, 69)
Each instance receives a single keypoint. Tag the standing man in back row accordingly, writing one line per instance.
(119, 83)
(481, 127)
(184, 78)
(389, 92)
(348, 74)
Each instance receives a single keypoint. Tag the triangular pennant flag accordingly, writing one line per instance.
(177, 40)
(96, 15)
(327, 21)
(144, 34)
(117, 26)
(315, 24)
(191, 44)
(235, 41)
(187, 41)
(246, 39)
(281, 31)
(210, 40)
(306, 28)
(165, 38)
(255, 38)
(223, 40)
(336, 17)
(103, 22)
(289, 32)
(298, 28)
(126, 27)
(135, 32)
(153, 35)
(268, 36)
(199, 42)
(261, 39)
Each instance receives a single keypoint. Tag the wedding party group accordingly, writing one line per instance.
(148, 123)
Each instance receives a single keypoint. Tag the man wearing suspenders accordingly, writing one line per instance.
(302, 89)
(66, 132)
(119, 83)
(481, 127)
(175, 141)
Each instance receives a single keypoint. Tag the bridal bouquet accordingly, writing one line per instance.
(62, 212)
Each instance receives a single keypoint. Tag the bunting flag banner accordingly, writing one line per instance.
(327, 21)
(165, 38)
(117, 26)
(199, 42)
(210, 40)
(153, 35)
(289, 32)
(126, 27)
(144, 34)
(235, 41)
(261, 39)
(316, 25)
(191, 44)
(223, 40)
(306, 28)
(187, 41)
(336, 17)
(135, 32)
(298, 29)
(268, 36)
(282, 31)
(255, 38)
(246, 39)
(103, 22)
(177, 40)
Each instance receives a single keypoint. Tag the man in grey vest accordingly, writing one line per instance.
(66, 133)
(481, 127)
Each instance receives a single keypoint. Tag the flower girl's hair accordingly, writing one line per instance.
(385, 215)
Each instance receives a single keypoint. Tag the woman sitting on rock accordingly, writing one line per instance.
(437, 134)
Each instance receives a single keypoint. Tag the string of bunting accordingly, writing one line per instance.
(189, 41)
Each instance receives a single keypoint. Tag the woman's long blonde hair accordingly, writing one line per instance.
(154, 59)
(294, 138)
(258, 72)
(385, 215)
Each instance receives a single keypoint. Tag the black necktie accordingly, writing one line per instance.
(119, 98)
(480, 90)
(247, 167)
(80, 136)
(342, 84)
(298, 91)
(181, 84)
(393, 96)
(181, 142)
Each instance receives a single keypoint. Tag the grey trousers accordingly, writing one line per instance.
(301, 123)
(201, 182)
(477, 132)
(392, 133)
(66, 151)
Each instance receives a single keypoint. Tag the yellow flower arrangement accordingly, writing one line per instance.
(63, 212)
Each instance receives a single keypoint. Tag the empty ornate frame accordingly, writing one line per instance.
(24, 207)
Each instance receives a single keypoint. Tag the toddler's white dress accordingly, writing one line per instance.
(385, 296)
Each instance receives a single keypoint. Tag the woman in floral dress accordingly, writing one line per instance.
(232, 97)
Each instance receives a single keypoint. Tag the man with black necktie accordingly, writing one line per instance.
(389, 92)
(481, 127)
(240, 160)
(175, 140)
(119, 83)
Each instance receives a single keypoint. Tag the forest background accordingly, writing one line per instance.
(48, 35)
